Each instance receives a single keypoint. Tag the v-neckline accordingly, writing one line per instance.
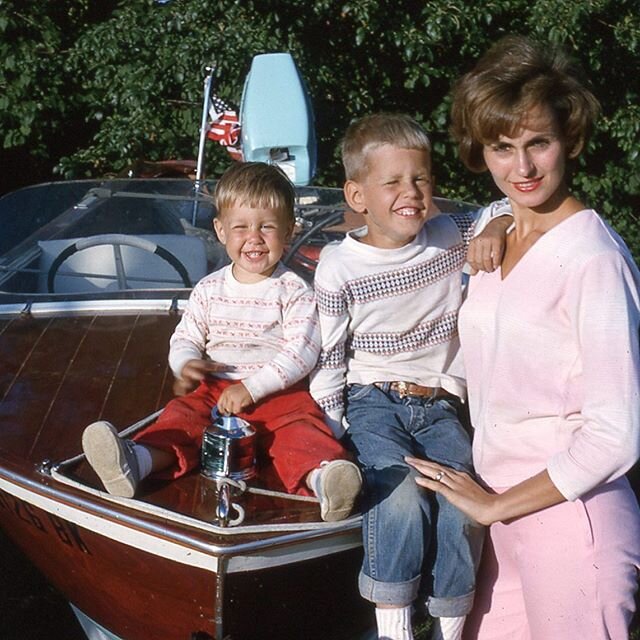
(504, 277)
(514, 266)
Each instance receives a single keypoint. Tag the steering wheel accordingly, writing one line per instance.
(116, 240)
(314, 235)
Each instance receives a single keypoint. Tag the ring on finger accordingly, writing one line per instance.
(439, 476)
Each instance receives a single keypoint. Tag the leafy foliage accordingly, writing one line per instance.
(36, 105)
(91, 93)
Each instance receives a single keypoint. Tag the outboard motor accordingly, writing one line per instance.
(277, 117)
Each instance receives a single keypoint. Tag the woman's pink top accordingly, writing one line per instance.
(551, 354)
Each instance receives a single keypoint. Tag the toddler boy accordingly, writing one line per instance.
(247, 340)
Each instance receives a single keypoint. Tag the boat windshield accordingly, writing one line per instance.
(121, 238)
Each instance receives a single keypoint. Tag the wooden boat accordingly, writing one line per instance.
(85, 320)
(93, 278)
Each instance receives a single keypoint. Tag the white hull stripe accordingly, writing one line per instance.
(114, 530)
(121, 533)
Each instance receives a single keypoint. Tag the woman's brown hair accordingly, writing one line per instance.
(514, 77)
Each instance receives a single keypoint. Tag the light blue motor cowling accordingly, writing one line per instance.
(277, 117)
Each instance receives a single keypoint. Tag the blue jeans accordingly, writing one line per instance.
(415, 541)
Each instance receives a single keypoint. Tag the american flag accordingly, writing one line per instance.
(224, 126)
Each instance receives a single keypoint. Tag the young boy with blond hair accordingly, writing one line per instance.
(390, 371)
(247, 340)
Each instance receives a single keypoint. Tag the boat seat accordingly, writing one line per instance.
(144, 270)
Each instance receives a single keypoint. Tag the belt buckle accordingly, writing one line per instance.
(403, 388)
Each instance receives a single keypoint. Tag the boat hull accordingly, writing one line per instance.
(80, 344)
(139, 588)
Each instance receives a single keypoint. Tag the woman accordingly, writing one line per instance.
(550, 342)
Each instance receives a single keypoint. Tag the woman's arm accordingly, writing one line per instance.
(486, 248)
(604, 308)
(533, 494)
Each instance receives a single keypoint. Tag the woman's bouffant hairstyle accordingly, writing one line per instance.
(515, 76)
(256, 185)
(373, 131)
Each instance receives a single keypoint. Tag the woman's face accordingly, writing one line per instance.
(530, 168)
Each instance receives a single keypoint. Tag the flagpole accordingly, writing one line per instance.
(203, 138)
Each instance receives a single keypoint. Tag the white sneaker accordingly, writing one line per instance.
(112, 458)
(337, 484)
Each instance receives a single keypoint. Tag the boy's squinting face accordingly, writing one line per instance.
(395, 194)
(254, 238)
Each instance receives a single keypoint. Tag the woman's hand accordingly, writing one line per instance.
(486, 250)
(458, 488)
(533, 494)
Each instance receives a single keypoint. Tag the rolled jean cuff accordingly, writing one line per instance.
(450, 607)
(401, 594)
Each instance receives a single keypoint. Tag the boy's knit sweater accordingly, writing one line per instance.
(265, 334)
(391, 314)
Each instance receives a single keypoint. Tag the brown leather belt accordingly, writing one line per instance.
(404, 389)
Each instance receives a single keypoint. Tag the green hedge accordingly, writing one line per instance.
(88, 88)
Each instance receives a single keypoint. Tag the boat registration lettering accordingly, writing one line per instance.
(67, 532)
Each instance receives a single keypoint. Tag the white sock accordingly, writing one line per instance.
(312, 480)
(143, 457)
(448, 628)
(394, 624)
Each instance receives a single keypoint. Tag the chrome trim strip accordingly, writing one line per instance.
(180, 547)
(91, 307)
